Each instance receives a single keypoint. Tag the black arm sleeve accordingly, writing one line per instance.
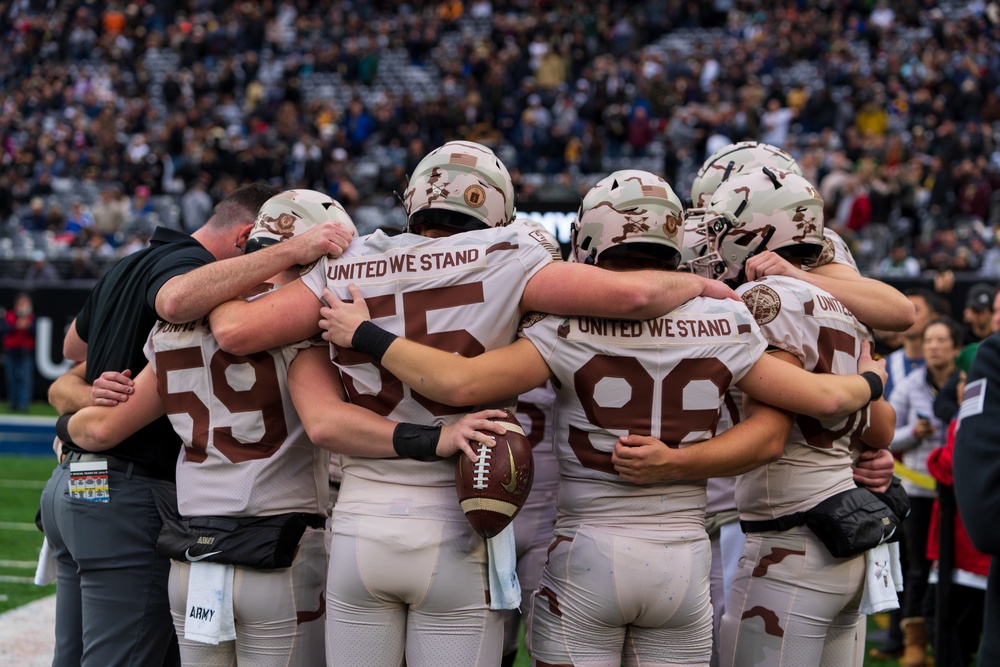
(977, 450)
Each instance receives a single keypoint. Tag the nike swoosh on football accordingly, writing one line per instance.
(195, 559)
(511, 486)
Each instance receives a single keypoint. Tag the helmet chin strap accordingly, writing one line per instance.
(759, 248)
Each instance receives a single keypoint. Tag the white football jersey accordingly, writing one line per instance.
(535, 410)
(245, 452)
(459, 294)
(835, 251)
(665, 377)
(821, 332)
(722, 490)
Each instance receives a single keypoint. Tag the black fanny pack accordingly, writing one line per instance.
(850, 522)
(261, 543)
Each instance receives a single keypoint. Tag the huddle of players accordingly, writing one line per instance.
(645, 378)
(406, 574)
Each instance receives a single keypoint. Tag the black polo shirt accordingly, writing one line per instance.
(115, 322)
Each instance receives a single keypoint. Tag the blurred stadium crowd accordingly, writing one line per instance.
(118, 116)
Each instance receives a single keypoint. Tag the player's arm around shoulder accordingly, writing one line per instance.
(286, 315)
(570, 288)
(877, 304)
(779, 380)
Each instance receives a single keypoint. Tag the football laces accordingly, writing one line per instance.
(481, 469)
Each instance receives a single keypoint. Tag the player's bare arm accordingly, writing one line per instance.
(194, 294)
(822, 396)
(74, 347)
(284, 316)
(757, 440)
(569, 288)
(70, 392)
(102, 427)
(334, 424)
(519, 367)
(881, 425)
(877, 304)
(441, 376)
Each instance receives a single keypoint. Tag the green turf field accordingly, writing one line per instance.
(21, 482)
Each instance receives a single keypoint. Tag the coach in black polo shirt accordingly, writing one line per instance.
(100, 512)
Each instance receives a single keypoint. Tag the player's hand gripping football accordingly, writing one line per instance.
(340, 319)
(472, 428)
(328, 238)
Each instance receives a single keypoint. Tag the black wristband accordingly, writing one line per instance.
(372, 339)
(414, 441)
(874, 384)
(62, 427)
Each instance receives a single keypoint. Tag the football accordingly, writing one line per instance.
(493, 490)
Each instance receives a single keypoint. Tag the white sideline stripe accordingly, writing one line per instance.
(27, 634)
(26, 420)
(21, 484)
(27, 564)
(16, 580)
(27, 527)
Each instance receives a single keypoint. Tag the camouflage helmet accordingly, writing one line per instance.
(628, 207)
(295, 212)
(465, 178)
(749, 214)
(735, 159)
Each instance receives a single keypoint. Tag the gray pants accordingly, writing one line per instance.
(111, 586)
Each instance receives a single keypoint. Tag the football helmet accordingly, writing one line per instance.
(465, 185)
(293, 212)
(629, 207)
(735, 159)
(764, 210)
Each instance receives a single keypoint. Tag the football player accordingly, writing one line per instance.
(246, 453)
(407, 574)
(664, 377)
(801, 608)
(836, 271)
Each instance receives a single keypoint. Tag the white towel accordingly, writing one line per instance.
(882, 579)
(209, 617)
(505, 589)
(45, 571)
(896, 566)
